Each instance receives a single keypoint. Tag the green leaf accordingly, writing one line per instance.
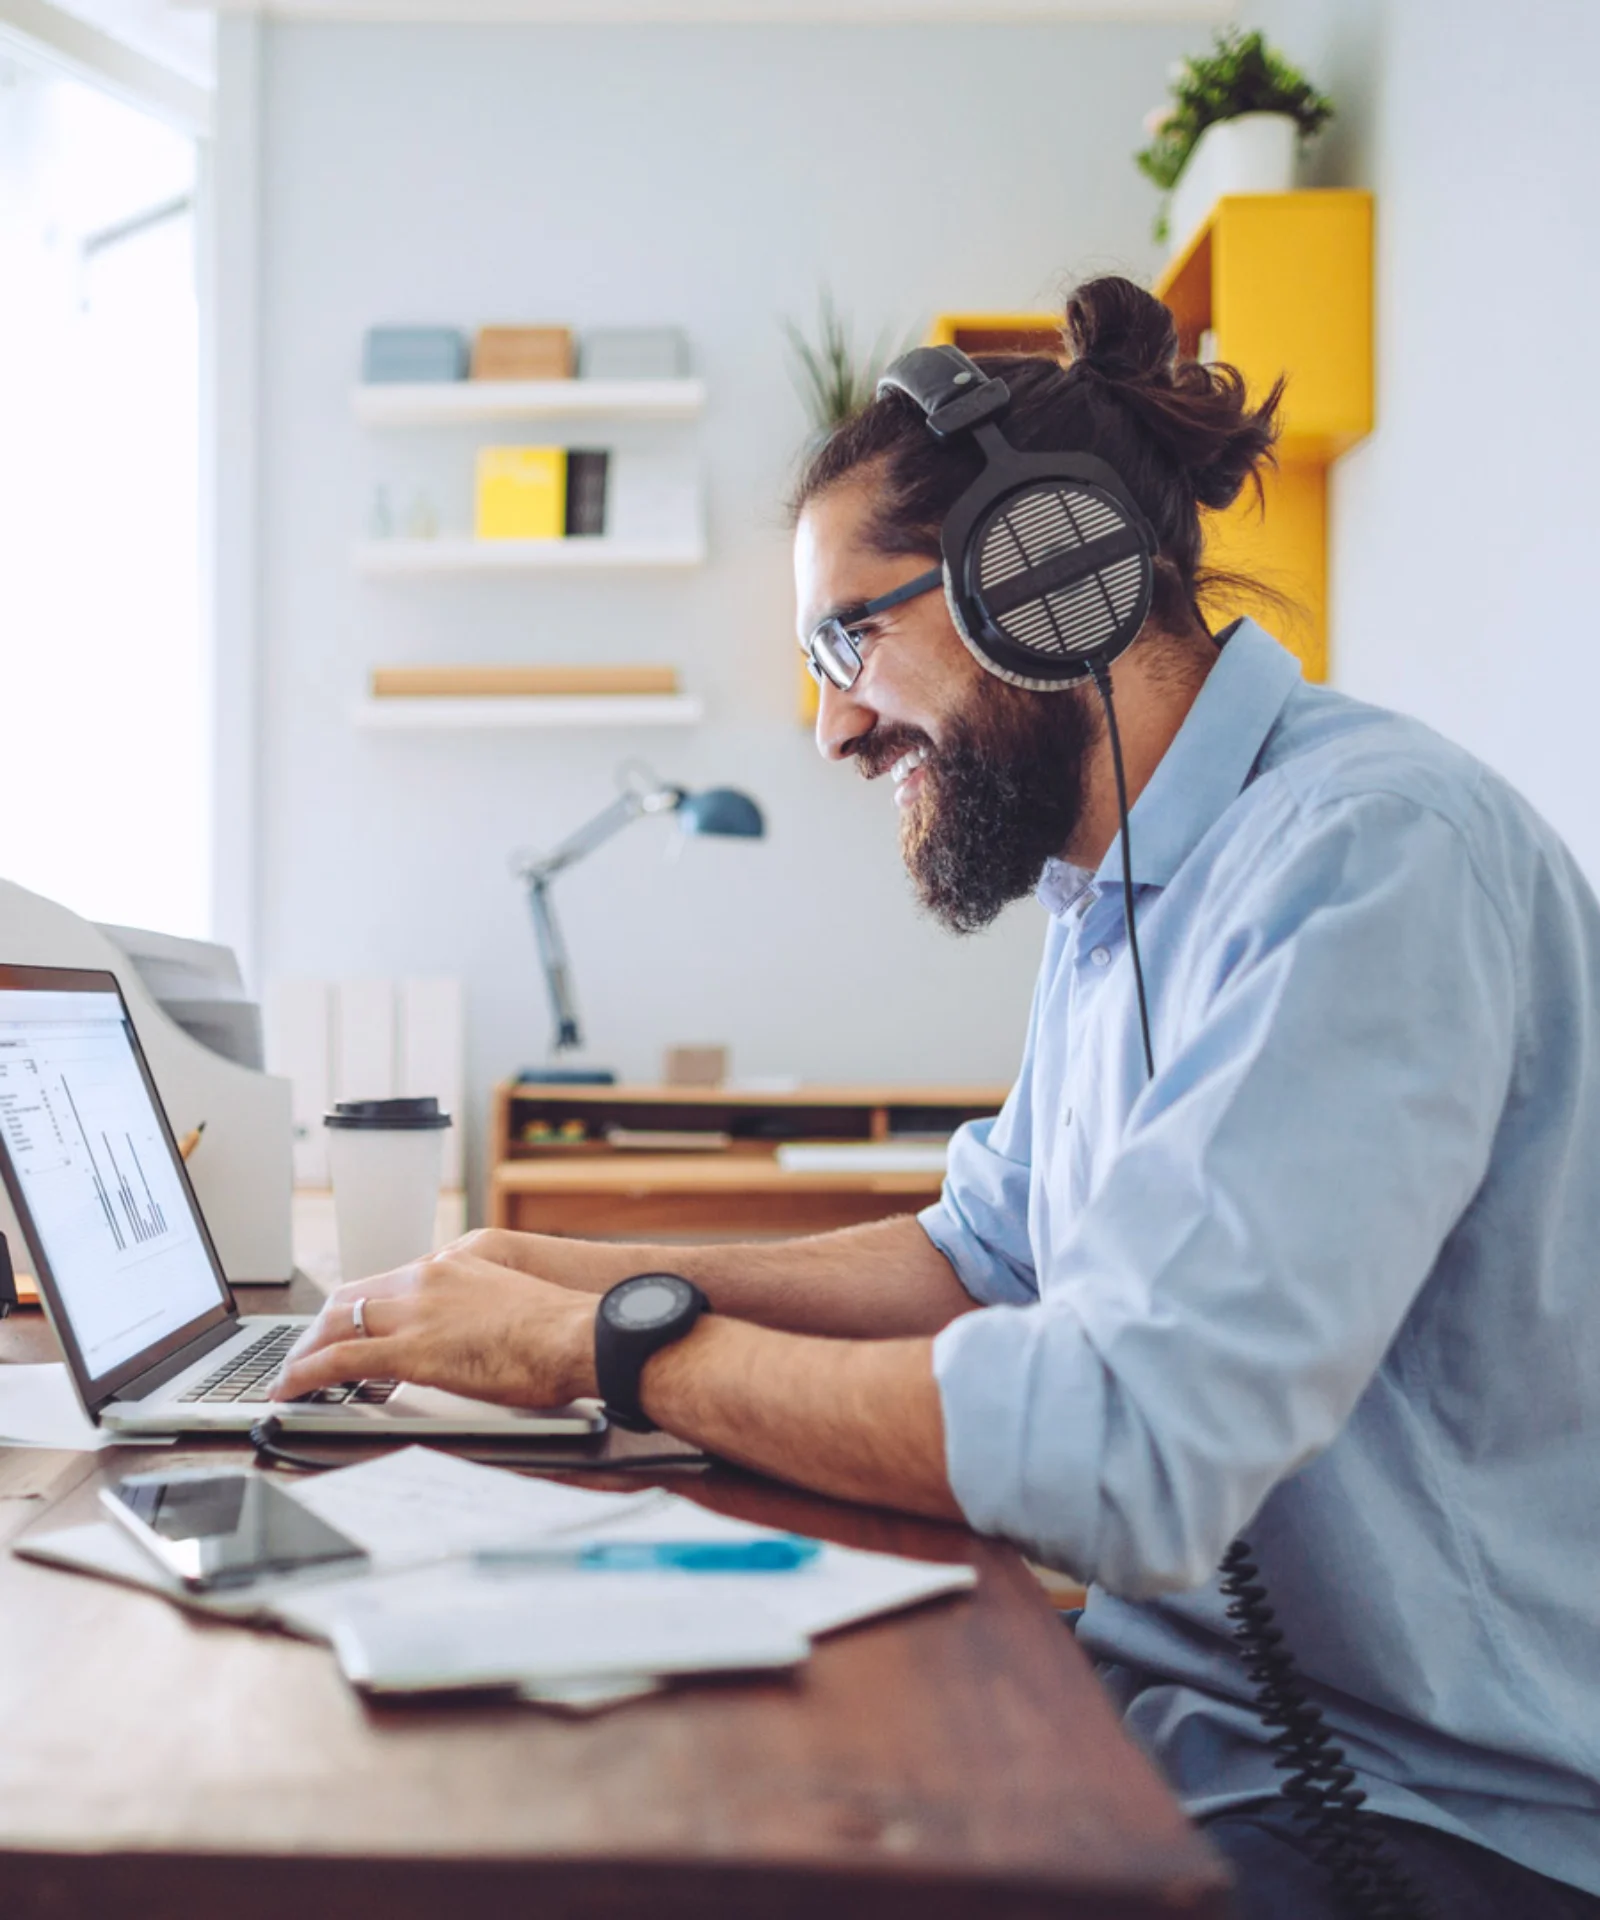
(834, 386)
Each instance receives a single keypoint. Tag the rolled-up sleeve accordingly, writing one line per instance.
(1280, 1195)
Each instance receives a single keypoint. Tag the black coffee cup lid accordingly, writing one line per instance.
(387, 1116)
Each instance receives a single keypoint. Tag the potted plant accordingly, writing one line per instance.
(1236, 121)
(833, 384)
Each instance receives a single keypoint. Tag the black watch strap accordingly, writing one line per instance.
(636, 1319)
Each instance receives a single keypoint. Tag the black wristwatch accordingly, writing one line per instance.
(637, 1318)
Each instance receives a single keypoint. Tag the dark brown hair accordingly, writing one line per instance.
(1182, 435)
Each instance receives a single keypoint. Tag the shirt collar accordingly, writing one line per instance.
(1201, 773)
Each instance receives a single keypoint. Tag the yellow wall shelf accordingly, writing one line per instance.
(1283, 281)
(998, 332)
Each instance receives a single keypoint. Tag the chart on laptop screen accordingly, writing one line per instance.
(87, 1150)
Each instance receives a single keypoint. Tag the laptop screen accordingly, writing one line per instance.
(96, 1177)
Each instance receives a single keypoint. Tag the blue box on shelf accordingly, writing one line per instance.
(413, 354)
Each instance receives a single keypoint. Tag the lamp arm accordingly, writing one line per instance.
(553, 958)
(639, 797)
(630, 805)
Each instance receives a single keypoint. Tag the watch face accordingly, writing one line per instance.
(650, 1301)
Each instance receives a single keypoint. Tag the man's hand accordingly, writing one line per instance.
(454, 1320)
(579, 1264)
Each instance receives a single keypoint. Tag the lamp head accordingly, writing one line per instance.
(721, 810)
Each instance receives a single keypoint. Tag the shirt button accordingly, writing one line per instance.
(1101, 956)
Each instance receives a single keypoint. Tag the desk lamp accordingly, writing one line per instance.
(718, 810)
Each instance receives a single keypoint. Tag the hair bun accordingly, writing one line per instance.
(1198, 415)
(1118, 330)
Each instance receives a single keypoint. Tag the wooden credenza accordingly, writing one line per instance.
(555, 1166)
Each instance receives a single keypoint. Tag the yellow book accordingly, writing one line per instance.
(522, 493)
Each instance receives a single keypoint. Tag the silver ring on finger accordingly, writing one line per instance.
(358, 1313)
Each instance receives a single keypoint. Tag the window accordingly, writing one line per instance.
(104, 778)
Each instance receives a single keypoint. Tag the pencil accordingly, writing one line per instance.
(190, 1141)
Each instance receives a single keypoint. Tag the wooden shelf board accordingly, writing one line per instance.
(612, 1172)
(988, 1098)
(524, 682)
(461, 402)
(461, 554)
(552, 710)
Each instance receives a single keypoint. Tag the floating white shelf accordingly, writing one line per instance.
(564, 710)
(457, 402)
(460, 554)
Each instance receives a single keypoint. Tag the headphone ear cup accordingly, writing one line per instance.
(1056, 579)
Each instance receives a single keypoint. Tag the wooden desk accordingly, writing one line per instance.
(958, 1763)
(589, 1187)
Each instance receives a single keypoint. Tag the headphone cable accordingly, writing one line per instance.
(1368, 1883)
(1102, 681)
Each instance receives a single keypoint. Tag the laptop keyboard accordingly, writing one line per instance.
(248, 1377)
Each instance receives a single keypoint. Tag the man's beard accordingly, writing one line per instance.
(1002, 794)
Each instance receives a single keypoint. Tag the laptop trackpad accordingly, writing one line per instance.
(434, 1403)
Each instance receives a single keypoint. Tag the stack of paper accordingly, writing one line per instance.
(450, 1628)
(426, 1617)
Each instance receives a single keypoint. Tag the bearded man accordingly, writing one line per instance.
(1311, 1257)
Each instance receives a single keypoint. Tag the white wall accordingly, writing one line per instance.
(1463, 534)
(715, 178)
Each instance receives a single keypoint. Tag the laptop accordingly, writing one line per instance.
(152, 1336)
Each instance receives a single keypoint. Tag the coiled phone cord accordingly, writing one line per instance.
(1368, 1883)
(1320, 1786)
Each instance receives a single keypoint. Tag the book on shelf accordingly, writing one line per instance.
(523, 682)
(522, 493)
(586, 491)
(669, 1139)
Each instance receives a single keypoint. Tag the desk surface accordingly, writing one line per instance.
(957, 1761)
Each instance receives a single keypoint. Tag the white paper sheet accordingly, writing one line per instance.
(39, 1408)
(418, 1504)
(453, 1624)
(840, 1587)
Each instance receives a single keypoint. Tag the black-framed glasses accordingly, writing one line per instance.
(833, 651)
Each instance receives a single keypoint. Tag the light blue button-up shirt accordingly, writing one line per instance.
(1331, 1279)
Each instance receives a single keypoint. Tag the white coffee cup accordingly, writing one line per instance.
(385, 1158)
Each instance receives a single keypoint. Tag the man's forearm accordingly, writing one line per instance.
(872, 1282)
(859, 1419)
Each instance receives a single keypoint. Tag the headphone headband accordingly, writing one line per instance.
(953, 392)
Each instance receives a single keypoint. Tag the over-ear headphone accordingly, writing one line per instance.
(1049, 565)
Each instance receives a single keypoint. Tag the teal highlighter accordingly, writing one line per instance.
(781, 1553)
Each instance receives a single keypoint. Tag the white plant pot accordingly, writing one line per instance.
(1257, 153)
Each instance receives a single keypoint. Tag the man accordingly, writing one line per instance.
(1325, 1277)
